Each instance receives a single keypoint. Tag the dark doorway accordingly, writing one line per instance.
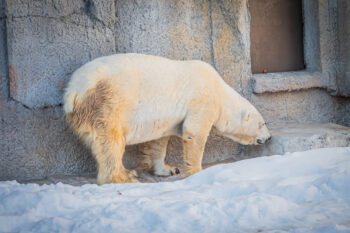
(276, 35)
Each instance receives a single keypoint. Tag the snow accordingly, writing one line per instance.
(297, 192)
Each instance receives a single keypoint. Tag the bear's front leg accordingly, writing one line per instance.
(193, 148)
(196, 129)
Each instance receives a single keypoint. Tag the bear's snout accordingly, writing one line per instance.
(261, 141)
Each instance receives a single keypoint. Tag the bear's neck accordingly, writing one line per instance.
(229, 110)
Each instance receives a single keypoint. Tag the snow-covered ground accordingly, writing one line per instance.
(298, 192)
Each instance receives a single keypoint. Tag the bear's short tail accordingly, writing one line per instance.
(69, 101)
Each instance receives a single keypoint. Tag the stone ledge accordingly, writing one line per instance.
(286, 81)
(301, 137)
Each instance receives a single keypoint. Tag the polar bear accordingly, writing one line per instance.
(127, 99)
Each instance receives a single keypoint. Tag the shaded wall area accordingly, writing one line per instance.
(276, 35)
(344, 47)
(43, 42)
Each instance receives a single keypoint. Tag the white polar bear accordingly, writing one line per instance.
(127, 99)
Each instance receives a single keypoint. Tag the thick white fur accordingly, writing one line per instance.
(167, 97)
(161, 90)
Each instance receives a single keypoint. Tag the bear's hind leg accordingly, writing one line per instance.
(154, 153)
(108, 149)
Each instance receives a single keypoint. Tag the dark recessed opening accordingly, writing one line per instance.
(276, 34)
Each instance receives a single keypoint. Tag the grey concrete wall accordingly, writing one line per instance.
(174, 29)
(43, 42)
(33, 143)
(308, 106)
(3, 56)
(342, 110)
(343, 78)
(328, 37)
(311, 35)
(48, 40)
(37, 143)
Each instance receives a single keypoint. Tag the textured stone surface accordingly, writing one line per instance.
(328, 43)
(174, 29)
(342, 111)
(48, 40)
(3, 58)
(311, 36)
(308, 106)
(292, 138)
(231, 45)
(35, 144)
(343, 77)
(2, 8)
(289, 81)
(3, 65)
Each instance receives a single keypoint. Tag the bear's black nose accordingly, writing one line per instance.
(259, 141)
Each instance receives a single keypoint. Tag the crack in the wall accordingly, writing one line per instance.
(5, 44)
(19, 103)
(248, 90)
(2, 9)
(231, 20)
(88, 9)
(211, 39)
(94, 13)
(10, 98)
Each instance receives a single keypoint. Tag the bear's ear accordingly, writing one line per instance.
(245, 116)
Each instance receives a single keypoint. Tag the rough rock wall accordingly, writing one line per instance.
(342, 110)
(43, 42)
(328, 38)
(3, 56)
(231, 44)
(174, 29)
(308, 106)
(343, 75)
(37, 143)
(33, 143)
(344, 47)
(48, 40)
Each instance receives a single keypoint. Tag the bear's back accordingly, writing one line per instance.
(146, 76)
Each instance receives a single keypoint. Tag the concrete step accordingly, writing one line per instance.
(301, 137)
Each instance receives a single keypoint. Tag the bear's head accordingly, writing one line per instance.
(252, 130)
(244, 124)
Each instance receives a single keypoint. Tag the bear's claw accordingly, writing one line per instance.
(167, 171)
(177, 171)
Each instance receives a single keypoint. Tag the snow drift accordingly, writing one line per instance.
(298, 192)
